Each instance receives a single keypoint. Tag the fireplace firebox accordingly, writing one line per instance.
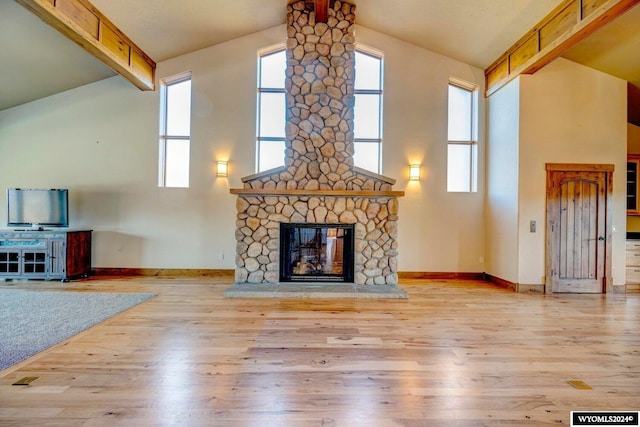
(316, 252)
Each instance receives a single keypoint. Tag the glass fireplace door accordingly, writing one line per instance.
(316, 252)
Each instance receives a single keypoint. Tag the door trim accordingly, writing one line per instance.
(579, 167)
(607, 286)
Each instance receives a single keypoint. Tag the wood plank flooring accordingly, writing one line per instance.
(456, 353)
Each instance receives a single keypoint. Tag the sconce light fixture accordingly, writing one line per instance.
(414, 172)
(222, 168)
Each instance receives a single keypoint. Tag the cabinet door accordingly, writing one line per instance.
(57, 259)
(34, 263)
(9, 262)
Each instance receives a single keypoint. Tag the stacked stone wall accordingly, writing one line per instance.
(319, 98)
(319, 150)
(258, 233)
(280, 179)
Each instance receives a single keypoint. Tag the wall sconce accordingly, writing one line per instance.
(414, 172)
(222, 169)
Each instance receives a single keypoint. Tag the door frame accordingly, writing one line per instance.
(607, 286)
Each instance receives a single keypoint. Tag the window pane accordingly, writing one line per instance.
(366, 120)
(271, 155)
(177, 163)
(459, 167)
(272, 70)
(272, 118)
(459, 114)
(367, 72)
(367, 156)
(179, 108)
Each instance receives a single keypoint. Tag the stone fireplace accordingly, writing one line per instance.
(318, 188)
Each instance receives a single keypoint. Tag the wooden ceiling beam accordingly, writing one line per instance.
(563, 28)
(81, 22)
(322, 10)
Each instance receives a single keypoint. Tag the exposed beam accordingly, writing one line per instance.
(81, 22)
(322, 10)
(563, 28)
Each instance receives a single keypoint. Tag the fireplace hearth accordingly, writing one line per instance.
(316, 252)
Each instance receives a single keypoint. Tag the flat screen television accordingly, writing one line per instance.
(37, 208)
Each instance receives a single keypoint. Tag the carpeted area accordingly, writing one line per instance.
(33, 320)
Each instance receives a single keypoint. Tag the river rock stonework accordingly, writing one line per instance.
(318, 183)
(375, 221)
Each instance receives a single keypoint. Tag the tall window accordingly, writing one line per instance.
(367, 121)
(175, 131)
(462, 146)
(271, 110)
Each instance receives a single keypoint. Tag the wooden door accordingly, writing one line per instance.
(578, 236)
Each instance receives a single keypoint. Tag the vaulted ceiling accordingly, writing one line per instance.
(37, 61)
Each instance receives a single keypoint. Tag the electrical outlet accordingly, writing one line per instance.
(221, 256)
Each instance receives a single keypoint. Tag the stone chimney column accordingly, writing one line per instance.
(318, 183)
(319, 97)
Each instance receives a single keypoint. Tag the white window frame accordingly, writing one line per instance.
(260, 139)
(164, 136)
(473, 142)
(366, 50)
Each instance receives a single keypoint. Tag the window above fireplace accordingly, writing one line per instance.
(271, 109)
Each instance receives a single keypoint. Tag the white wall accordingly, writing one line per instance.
(101, 141)
(569, 113)
(502, 182)
(439, 231)
(565, 113)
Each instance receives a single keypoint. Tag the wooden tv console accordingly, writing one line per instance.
(47, 254)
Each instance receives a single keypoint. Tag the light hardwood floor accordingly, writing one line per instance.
(456, 353)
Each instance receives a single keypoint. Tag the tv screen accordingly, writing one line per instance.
(37, 207)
